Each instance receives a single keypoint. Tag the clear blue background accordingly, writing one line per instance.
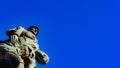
(74, 33)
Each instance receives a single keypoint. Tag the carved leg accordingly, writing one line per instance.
(29, 63)
(21, 65)
(32, 63)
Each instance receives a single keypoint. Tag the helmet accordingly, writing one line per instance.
(29, 29)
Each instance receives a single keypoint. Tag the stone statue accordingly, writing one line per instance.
(21, 49)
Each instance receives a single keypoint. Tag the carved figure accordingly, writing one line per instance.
(21, 49)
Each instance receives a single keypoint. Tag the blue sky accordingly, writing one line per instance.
(74, 33)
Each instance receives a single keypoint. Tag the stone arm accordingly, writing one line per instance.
(41, 57)
(14, 34)
(16, 31)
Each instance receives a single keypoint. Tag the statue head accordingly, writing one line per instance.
(33, 29)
